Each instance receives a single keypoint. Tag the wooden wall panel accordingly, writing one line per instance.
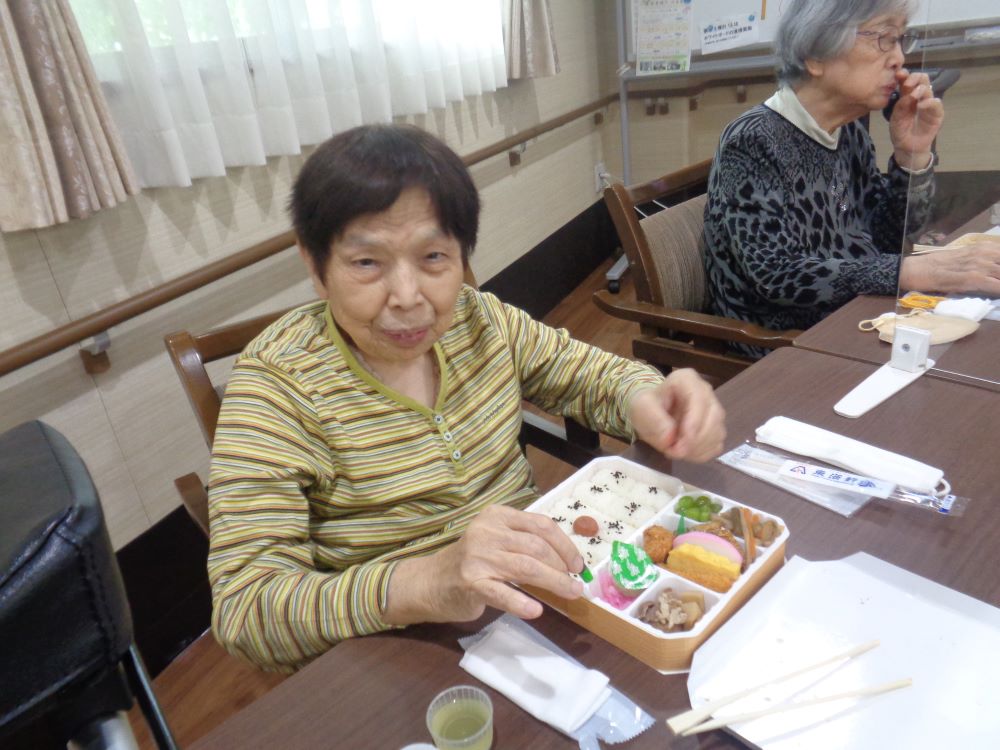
(29, 298)
(554, 183)
(57, 391)
(970, 137)
(166, 232)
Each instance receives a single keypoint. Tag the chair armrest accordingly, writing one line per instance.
(195, 498)
(693, 323)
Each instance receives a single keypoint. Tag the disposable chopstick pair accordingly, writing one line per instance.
(750, 715)
(683, 722)
(925, 249)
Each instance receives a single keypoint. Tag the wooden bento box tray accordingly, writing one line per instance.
(660, 650)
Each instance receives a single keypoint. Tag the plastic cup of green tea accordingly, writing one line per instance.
(461, 718)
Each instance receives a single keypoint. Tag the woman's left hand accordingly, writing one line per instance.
(681, 417)
(916, 120)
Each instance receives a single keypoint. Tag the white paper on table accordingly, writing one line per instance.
(994, 314)
(969, 308)
(548, 686)
(947, 642)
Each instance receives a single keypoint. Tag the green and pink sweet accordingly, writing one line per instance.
(629, 572)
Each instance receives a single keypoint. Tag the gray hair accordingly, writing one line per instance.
(823, 29)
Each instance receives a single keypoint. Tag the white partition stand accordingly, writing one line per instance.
(908, 362)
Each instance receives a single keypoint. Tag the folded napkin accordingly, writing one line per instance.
(807, 440)
(548, 686)
(970, 308)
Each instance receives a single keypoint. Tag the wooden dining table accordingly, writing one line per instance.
(973, 360)
(373, 692)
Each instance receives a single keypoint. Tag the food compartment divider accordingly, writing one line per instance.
(659, 649)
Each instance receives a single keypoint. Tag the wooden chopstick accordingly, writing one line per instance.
(750, 715)
(925, 249)
(688, 719)
(957, 244)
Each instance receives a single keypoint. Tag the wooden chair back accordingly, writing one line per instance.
(673, 255)
(190, 353)
(665, 248)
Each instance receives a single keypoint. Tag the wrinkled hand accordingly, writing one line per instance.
(916, 120)
(501, 546)
(971, 268)
(681, 417)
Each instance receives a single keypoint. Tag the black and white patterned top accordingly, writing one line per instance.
(795, 229)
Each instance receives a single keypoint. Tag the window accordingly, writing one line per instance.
(197, 86)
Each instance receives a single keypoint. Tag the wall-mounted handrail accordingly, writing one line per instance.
(533, 132)
(90, 325)
(79, 330)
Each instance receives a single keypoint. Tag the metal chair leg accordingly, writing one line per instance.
(142, 686)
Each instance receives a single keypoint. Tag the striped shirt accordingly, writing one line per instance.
(322, 478)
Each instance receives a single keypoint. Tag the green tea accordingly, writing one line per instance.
(459, 721)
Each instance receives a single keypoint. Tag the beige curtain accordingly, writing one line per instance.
(529, 39)
(60, 155)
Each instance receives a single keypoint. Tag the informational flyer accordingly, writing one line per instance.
(663, 36)
(729, 33)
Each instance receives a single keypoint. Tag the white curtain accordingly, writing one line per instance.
(530, 39)
(197, 86)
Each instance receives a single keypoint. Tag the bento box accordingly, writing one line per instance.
(625, 499)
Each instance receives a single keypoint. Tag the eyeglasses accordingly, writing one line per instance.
(887, 40)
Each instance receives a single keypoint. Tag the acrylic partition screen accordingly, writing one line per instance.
(951, 247)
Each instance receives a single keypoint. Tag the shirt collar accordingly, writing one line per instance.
(336, 337)
(787, 104)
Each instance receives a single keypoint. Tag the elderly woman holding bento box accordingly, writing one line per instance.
(366, 472)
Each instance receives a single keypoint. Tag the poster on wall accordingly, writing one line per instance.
(663, 36)
(728, 33)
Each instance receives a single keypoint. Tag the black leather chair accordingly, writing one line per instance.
(66, 654)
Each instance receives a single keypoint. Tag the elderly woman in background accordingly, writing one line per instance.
(799, 218)
(366, 472)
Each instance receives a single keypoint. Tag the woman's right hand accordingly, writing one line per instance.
(971, 268)
(501, 546)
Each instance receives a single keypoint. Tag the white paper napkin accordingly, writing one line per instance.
(970, 308)
(548, 686)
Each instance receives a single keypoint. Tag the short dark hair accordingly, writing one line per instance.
(364, 170)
